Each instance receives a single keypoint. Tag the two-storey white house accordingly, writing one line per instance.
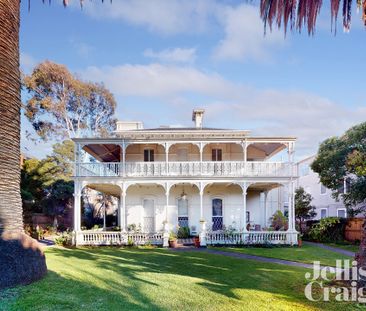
(207, 179)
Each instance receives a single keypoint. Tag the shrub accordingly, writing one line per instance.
(172, 236)
(64, 240)
(330, 229)
(279, 221)
(183, 233)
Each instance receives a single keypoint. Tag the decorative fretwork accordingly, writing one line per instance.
(217, 223)
(183, 221)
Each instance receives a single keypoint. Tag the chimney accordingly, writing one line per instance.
(197, 117)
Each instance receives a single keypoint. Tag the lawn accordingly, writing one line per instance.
(346, 246)
(158, 279)
(306, 253)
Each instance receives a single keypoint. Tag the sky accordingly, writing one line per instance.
(163, 58)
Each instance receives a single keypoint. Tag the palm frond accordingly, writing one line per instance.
(304, 13)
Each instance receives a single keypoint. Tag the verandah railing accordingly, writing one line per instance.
(247, 238)
(185, 169)
(117, 238)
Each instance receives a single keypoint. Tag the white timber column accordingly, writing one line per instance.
(122, 210)
(266, 208)
(166, 224)
(123, 158)
(77, 208)
(104, 214)
(292, 236)
(244, 145)
(77, 149)
(202, 234)
(290, 207)
(244, 188)
(201, 146)
(167, 147)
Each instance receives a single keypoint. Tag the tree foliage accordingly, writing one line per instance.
(63, 106)
(46, 184)
(303, 208)
(344, 158)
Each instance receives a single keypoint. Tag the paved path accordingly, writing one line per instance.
(246, 256)
(333, 249)
(46, 242)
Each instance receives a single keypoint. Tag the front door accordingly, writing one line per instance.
(149, 216)
(217, 219)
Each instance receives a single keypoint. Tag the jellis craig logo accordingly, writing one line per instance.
(318, 289)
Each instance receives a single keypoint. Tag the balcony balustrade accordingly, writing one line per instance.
(185, 169)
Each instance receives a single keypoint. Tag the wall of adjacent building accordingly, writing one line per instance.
(310, 181)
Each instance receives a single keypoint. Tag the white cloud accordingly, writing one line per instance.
(241, 24)
(309, 117)
(177, 55)
(27, 62)
(166, 17)
(244, 36)
(158, 80)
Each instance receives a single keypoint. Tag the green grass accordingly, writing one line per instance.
(306, 253)
(158, 279)
(348, 247)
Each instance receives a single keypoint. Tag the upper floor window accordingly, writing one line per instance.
(341, 212)
(148, 155)
(216, 154)
(345, 186)
(323, 213)
(323, 189)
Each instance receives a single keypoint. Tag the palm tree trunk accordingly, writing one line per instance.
(21, 259)
(11, 219)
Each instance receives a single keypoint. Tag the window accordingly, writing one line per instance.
(323, 189)
(341, 212)
(148, 155)
(285, 209)
(347, 185)
(217, 221)
(323, 213)
(183, 212)
(216, 154)
(182, 154)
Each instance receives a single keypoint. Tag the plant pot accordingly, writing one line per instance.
(196, 240)
(299, 243)
(173, 244)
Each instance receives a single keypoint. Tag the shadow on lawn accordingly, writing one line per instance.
(217, 274)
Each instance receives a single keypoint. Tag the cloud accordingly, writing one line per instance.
(266, 112)
(177, 55)
(82, 49)
(157, 80)
(244, 37)
(166, 17)
(27, 62)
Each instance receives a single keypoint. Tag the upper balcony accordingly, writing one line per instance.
(183, 159)
(185, 169)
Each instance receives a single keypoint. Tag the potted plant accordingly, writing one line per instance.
(299, 241)
(196, 240)
(173, 240)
